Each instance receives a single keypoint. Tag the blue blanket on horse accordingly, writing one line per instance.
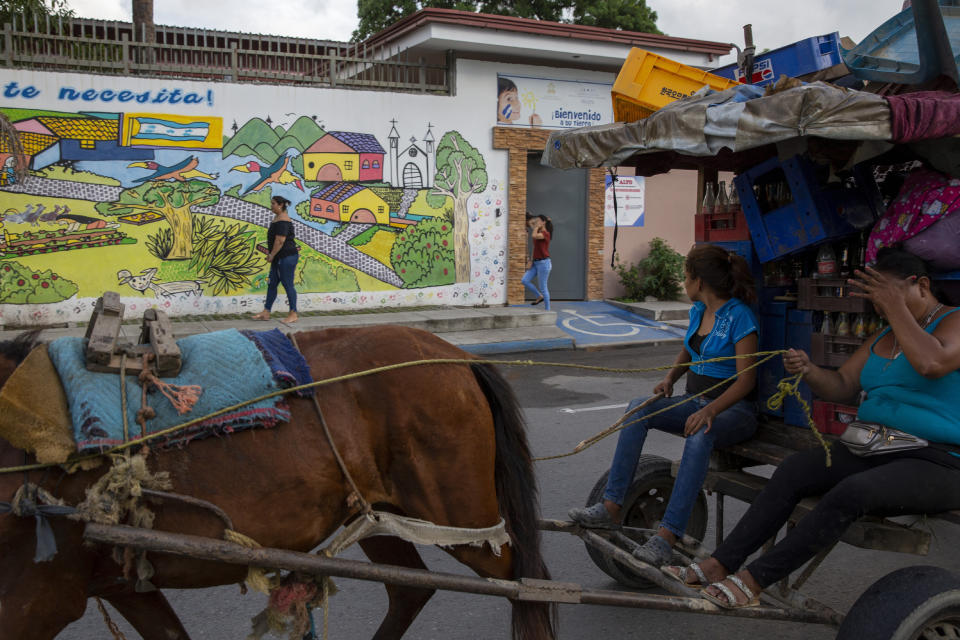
(227, 365)
(288, 365)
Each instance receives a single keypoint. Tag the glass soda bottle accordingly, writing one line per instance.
(826, 261)
(733, 199)
(843, 324)
(722, 205)
(860, 326)
(709, 200)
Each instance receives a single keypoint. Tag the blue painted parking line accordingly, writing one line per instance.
(601, 323)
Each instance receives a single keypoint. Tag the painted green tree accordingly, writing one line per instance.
(461, 173)
(174, 201)
(422, 255)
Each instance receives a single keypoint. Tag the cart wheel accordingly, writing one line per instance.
(643, 507)
(914, 603)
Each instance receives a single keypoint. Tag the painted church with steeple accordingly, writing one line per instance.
(412, 167)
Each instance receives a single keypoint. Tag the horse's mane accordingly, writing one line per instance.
(18, 348)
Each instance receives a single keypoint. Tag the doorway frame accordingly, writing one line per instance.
(519, 143)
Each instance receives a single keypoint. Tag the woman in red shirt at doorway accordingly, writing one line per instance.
(541, 230)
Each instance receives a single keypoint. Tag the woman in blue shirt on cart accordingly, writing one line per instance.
(720, 286)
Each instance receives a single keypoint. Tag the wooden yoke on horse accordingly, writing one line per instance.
(104, 352)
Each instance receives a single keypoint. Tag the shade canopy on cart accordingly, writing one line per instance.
(738, 128)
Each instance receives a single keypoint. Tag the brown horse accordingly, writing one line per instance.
(443, 443)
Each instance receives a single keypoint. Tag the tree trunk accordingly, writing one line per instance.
(181, 223)
(461, 237)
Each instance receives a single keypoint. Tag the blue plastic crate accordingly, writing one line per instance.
(797, 59)
(799, 333)
(815, 213)
(949, 284)
(773, 335)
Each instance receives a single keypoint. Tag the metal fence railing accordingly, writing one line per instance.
(99, 46)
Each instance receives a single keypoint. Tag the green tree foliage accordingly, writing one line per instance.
(461, 173)
(30, 9)
(629, 15)
(660, 274)
(23, 285)
(626, 15)
(172, 200)
(423, 255)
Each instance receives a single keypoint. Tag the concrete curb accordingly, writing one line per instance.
(659, 311)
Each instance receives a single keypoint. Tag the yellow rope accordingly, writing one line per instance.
(617, 426)
(791, 386)
(368, 372)
(257, 577)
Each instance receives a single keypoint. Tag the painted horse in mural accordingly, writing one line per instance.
(444, 443)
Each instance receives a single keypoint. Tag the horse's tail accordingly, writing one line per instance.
(518, 497)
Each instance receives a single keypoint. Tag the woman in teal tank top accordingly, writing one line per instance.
(909, 372)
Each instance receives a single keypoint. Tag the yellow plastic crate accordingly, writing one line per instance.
(648, 81)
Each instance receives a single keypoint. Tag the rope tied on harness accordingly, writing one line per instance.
(31, 500)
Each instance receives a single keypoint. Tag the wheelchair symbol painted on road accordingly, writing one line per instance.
(591, 325)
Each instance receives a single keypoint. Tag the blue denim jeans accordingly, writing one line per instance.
(733, 425)
(541, 271)
(281, 272)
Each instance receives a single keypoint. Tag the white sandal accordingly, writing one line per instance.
(729, 601)
(683, 574)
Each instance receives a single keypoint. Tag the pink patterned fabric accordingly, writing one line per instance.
(925, 197)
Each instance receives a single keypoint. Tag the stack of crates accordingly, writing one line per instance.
(798, 59)
(815, 213)
(648, 81)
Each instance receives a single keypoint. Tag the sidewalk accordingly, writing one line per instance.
(483, 331)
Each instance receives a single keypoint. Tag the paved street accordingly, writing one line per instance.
(563, 406)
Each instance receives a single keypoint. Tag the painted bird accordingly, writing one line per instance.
(277, 172)
(184, 170)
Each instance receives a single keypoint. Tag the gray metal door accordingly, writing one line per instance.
(562, 197)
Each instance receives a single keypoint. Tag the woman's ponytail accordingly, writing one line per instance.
(744, 286)
(727, 273)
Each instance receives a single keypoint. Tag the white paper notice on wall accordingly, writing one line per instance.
(630, 197)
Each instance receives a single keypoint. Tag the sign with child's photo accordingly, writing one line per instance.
(552, 104)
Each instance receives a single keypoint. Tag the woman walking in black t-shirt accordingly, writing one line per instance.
(282, 258)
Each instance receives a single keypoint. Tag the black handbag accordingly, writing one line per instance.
(872, 439)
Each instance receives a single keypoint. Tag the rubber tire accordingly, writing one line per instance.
(904, 603)
(643, 507)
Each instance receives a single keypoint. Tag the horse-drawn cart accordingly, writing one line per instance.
(289, 488)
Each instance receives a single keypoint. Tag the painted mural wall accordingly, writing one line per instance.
(161, 190)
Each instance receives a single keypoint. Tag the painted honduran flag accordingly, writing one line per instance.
(155, 129)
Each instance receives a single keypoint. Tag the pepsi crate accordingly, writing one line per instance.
(798, 59)
(813, 214)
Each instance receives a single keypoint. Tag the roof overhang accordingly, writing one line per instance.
(506, 37)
